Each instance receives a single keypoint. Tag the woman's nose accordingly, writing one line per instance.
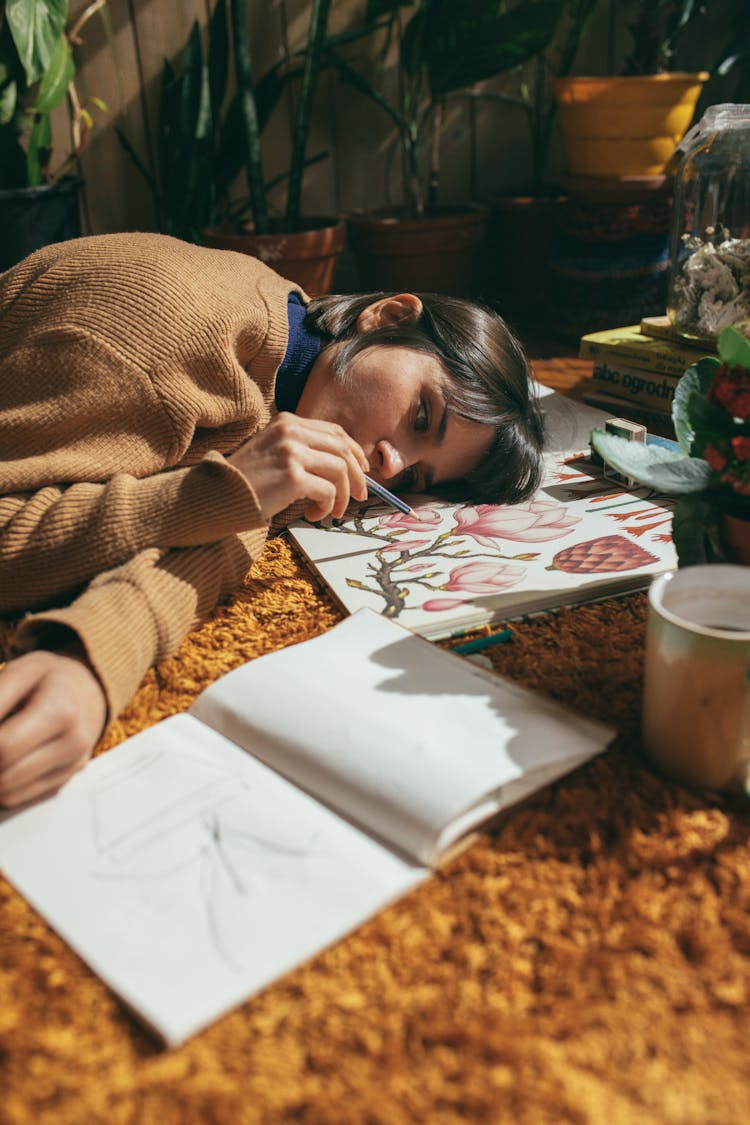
(389, 460)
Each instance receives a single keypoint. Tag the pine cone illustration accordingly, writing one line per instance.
(608, 552)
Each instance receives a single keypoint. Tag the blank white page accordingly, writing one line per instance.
(398, 735)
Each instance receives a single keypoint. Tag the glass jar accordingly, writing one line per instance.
(709, 269)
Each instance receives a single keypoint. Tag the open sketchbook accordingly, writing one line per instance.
(203, 858)
(448, 568)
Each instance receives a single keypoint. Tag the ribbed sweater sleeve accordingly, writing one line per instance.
(137, 614)
(57, 539)
(131, 365)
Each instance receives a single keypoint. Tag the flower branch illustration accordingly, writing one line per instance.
(441, 555)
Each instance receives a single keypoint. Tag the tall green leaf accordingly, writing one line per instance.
(315, 44)
(36, 27)
(56, 79)
(218, 57)
(249, 116)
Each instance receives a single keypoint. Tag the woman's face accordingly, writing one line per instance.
(391, 400)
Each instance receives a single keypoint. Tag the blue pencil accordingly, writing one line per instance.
(383, 494)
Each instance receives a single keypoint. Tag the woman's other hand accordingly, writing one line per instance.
(52, 714)
(297, 458)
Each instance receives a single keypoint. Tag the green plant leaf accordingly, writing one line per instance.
(218, 56)
(193, 89)
(358, 81)
(734, 348)
(56, 79)
(140, 166)
(251, 148)
(377, 8)
(38, 150)
(187, 184)
(270, 87)
(319, 14)
(8, 101)
(468, 43)
(696, 380)
(695, 530)
(36, 27)
(663, 469)
(12, 159)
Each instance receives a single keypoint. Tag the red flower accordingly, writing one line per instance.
(738, 482)
(730, 388)
(716, 460)
(740, 447)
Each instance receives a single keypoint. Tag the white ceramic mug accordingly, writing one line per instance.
(696, 703)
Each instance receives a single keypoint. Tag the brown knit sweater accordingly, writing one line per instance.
(130, 364)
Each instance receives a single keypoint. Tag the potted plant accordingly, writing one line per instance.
(523, 220)
(205, 140)
(710, 473)
(38, 199)
(629, 124)
(441, 49)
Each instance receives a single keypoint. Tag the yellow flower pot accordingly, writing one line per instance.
(625, 126)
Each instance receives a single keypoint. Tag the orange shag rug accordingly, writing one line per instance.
(587, 961)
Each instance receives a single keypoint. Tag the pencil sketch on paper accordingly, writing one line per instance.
(443, 555)
(197, 837)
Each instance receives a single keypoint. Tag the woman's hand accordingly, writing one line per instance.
(52, 713)
(297, 458)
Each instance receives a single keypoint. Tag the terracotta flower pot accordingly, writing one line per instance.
(736, 537)
(434, 254)
(625, 126)
(517, 252)
(307, 257)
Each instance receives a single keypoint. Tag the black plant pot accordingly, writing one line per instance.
(36, 216)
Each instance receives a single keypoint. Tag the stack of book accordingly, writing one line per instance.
(637, 368)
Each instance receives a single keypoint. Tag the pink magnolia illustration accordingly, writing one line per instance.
(483, 576)
(532, 522)
(440, 556)
(419, 519)
(405, 545)
(403, 562)
(478, 576)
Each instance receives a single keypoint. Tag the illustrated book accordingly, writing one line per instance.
(452, 567)
(202, 859)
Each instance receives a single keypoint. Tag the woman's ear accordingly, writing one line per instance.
(402, 308)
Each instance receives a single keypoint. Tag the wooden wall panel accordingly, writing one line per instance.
(363, 168)
(116, 196)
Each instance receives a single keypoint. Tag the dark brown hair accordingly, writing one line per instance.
(490, 378)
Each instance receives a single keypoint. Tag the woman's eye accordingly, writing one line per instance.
(422, 420)
(408, 480)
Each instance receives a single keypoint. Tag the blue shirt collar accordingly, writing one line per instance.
(302, 350)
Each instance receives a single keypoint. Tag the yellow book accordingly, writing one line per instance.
(632, 347)
(653, 389)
